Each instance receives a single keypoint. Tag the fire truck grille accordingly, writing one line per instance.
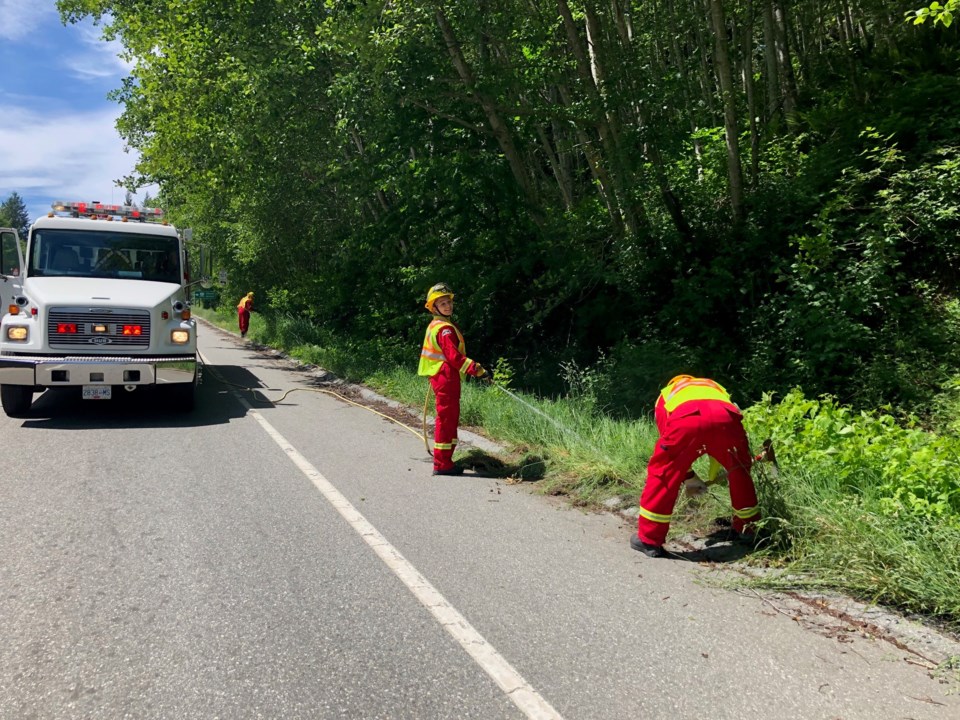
(95, 329)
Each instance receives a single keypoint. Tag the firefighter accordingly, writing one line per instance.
(443, 360)
(694, 417)
(244, 307)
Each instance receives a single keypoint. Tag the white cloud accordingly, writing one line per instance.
(21, 17)
(102, 58)
(66, 157)
(60, 145)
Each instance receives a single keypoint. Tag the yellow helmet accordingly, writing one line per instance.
(435, 293)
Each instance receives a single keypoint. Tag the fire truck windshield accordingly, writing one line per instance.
(91, 253)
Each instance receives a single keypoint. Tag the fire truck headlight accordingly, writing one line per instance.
(18, 333)
(180, 337)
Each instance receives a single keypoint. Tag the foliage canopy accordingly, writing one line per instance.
(760, 191)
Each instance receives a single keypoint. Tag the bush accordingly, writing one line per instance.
(895, 468)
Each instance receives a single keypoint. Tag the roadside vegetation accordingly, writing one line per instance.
(867, 504)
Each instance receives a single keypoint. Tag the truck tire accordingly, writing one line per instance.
(16, 399)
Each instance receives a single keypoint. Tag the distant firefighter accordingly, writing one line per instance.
(243, 313)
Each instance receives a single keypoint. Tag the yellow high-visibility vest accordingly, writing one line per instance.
(431, 355)
(692, 389)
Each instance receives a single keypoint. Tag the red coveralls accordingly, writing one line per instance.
(446, 387)
(243, 313)
(701, 420)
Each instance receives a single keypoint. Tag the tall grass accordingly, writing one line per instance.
(832, 539)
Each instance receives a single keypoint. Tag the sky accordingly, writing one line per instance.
(58, 137)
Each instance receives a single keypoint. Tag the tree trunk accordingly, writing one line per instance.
(500, 130)
(624, 28)
(734, 169)
(559, 173)
(361, 151)
(686, 91)
(608, 136)
(597, 169)
(748, 87)
(770, 60)
(786, 64)
(707, 84)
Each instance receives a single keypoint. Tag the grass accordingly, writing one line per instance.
(822, 530)
(830, 539)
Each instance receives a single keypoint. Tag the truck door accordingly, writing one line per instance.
(11, 266)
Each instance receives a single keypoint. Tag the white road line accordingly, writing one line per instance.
(530, 702)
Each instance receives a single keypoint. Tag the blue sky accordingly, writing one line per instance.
(58, 139)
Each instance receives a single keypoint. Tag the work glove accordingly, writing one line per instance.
(479, 371)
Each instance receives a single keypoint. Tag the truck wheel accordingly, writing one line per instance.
(16, 399)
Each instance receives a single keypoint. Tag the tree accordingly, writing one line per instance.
(341, 156)
(13, 213)
(722, 55)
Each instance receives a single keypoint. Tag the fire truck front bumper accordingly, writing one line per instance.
(46, 371)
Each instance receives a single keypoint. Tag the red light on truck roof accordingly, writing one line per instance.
(95, 210)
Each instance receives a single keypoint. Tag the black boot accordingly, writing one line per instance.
(653, 551)
(455, 470)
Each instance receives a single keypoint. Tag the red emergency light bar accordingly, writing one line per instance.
(97, 210)
(133, 330)
(66, 328)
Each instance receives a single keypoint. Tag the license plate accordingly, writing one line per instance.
(96, 392)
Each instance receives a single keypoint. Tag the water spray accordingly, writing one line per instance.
(562, 428)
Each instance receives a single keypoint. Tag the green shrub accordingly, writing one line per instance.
(899, 467)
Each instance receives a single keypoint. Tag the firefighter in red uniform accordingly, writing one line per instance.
(695, 417)
(243, 313)
(442, 359)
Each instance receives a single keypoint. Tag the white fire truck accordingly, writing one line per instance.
(99, 302)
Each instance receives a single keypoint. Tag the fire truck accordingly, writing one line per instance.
(99, 302)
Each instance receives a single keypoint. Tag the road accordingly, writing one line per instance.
(298, 560)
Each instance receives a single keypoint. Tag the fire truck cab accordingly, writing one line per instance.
(99, 302)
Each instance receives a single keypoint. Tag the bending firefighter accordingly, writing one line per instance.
(443, 360)
(695, 417)
(243, 313)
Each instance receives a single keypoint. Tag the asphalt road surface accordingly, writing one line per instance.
(299, 560)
